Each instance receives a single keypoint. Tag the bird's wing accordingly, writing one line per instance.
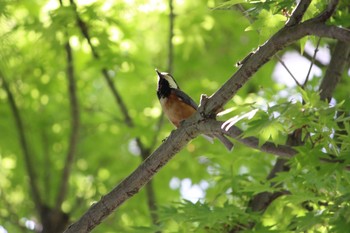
(185, 98)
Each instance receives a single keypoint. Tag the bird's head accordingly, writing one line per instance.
(165, 80)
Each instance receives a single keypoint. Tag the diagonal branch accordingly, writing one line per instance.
(189, 129)
(288, 70)
(326, 14)
(132, 184)
(277, 42)
(84, 30)
(298, 13)
(33, 184)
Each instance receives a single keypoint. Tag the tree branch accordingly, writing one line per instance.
(132, 184)
(261, 201)
(298, 13)
(47, 164)
(84, 30)
(170, 38)
(264, 53)
(282, 151)
(326, 14)
(213, 126)
(312, 63)
(287, 69)
(75, 125)
(33, 185)
(151, 198)
(189, 129)
(335, 70)
(317, 62)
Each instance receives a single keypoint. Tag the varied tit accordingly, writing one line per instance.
(177, 105)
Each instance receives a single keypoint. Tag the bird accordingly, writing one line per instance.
(178, 106)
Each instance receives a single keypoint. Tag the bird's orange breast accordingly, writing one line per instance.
(176, 110)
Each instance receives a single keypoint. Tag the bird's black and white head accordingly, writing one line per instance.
(165, 83)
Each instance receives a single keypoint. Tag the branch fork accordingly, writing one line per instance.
(195, 124)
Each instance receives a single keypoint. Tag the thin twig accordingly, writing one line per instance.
(312, 63)
(33, 184)
(120, 102)
(75, 125)
(145, 151)
(157, 130)
(47, 165)
(151, 198)
(171, 36)
(285, 66)
(241, 9)
(326, 14)
(317, 62)
(170, 66)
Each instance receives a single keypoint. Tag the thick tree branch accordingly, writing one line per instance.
(132, 184)
(120, 102)
(144, 173)
(33, 184)
(298, 13)
(262, 55)
(189, 129)
(151, 198)
(335, 70)
(75, 124)
(261, 201)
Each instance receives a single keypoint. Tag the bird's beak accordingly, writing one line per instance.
(159, 74)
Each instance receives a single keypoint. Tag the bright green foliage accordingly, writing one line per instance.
(131, 39)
